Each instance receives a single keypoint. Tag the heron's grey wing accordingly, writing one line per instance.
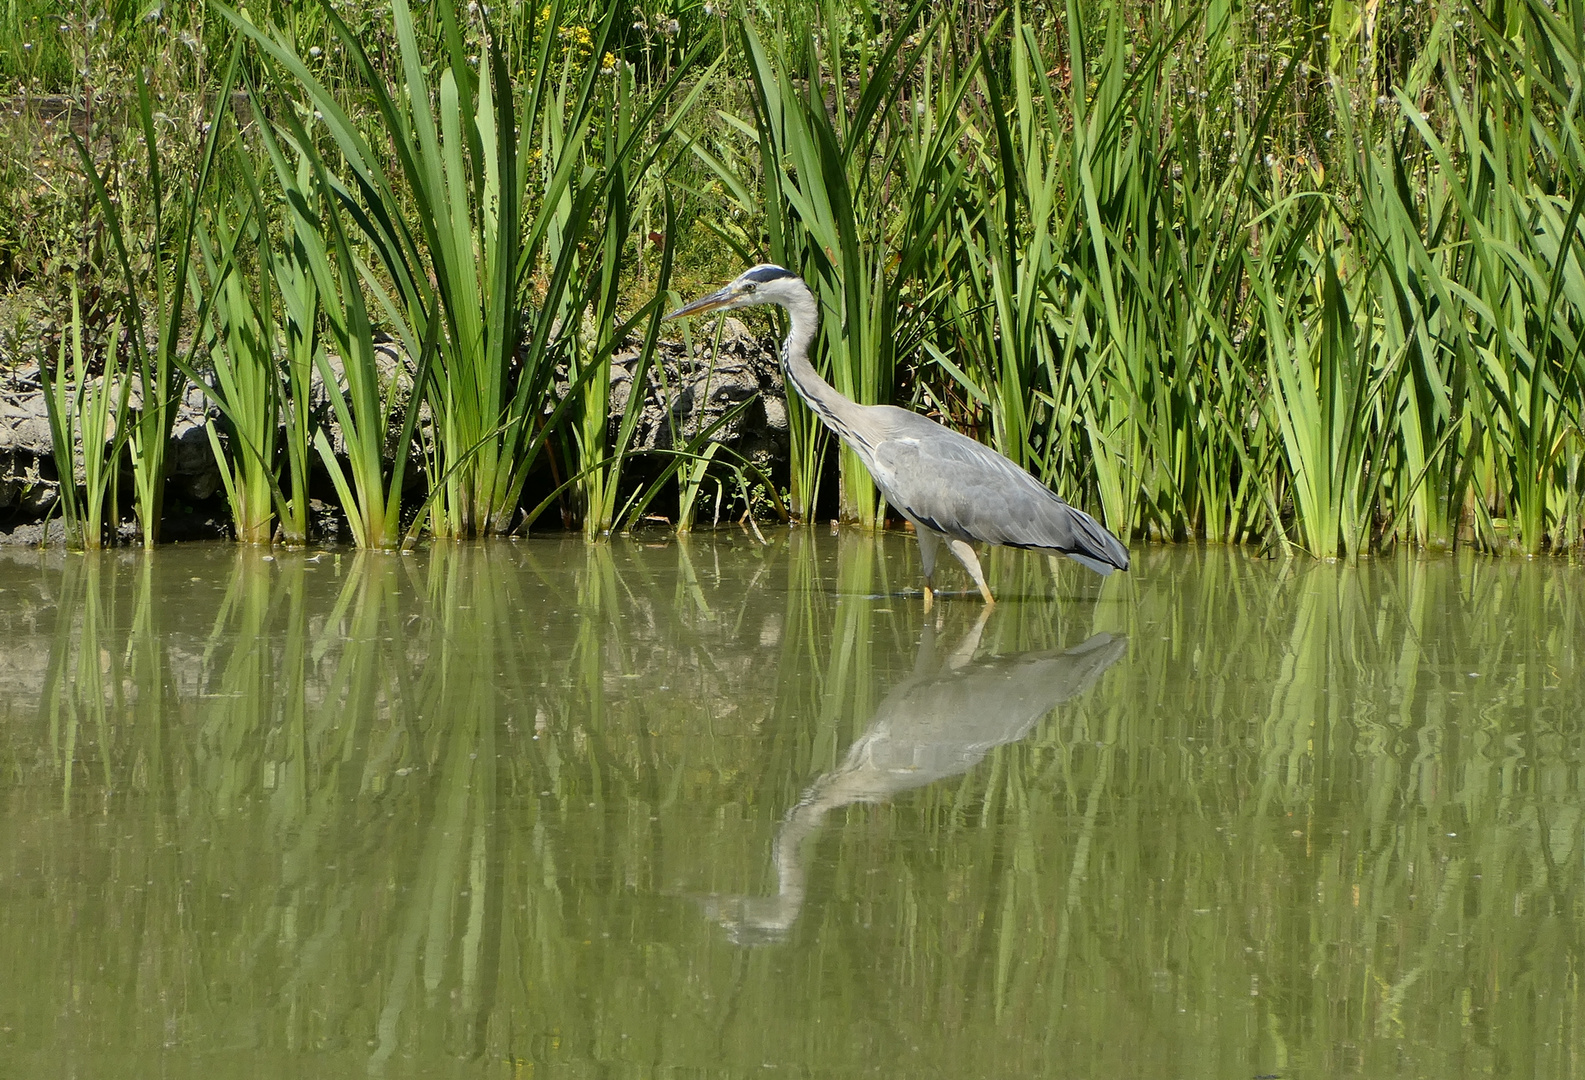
(950, 483)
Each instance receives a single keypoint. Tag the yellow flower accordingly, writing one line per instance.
(577, 37)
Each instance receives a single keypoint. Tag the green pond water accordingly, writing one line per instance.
(722, 808)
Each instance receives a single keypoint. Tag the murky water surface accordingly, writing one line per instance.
(718, 808)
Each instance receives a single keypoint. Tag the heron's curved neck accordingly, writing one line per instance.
(818, 394)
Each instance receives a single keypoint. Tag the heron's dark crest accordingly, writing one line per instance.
(768, 272)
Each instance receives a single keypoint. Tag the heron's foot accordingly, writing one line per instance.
(985, 591)
(930, 597)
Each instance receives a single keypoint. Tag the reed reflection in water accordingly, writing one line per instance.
(345, 813)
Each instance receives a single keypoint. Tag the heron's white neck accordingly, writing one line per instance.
(818, 394)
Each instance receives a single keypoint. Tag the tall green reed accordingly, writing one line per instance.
(637, 159)
(322, 277)
(1312, 278)
(157, 367)
(502, 182)
(856, 181)
(246, 380)
(85, 413)
(300, 346)
(1216, 340)
(264, 337)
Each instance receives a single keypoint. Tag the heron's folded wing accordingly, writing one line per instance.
(964, 489)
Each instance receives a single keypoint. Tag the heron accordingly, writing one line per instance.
(954, 490)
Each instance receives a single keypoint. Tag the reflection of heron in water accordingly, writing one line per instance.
(938, 723)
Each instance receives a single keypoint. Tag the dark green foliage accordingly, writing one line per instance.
(1310, 276)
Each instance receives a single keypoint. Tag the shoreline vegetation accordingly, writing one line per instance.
(1308, 276)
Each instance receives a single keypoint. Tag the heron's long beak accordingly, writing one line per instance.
(718, 299)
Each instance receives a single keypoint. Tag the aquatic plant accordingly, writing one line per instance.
(1368, 340)
(157, 366)
(1306, 277)
(857, 175)
(88, 424)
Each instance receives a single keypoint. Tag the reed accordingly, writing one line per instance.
(88, 425)
(636, 162)
(263, 339)
(1307, 277)
(157, 366)
(1336, 350)
(246, 383)
(855, 185)
(500, 178)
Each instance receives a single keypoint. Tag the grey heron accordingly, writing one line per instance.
(953, 489)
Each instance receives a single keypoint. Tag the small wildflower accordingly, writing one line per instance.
(315, 51)
(577, 37)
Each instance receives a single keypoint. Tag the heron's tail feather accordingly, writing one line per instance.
(1094, 547)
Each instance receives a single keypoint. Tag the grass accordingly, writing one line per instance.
(1308, 277)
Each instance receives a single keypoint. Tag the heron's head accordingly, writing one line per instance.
(764, 284)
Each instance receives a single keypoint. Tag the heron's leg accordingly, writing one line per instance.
(929, 544)
(971, 563)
